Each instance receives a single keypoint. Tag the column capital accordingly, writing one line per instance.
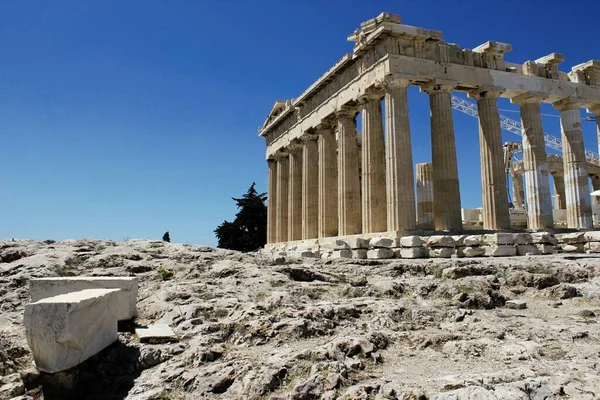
(528, 98)
(295, 146)
(280, 155)
(373, 93)
(397, 80)
(486, 92)
(594, 109)
(438, 86)
(345, 112)
(324, 125)
(309, 136)
(566, 104)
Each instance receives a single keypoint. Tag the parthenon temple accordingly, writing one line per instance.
(327, 182)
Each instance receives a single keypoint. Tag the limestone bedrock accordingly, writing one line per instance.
(65, 330)
(41, 288)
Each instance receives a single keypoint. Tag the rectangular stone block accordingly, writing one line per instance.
(159, 333)
(524, 249)
(411, 241)
(459, 240)
(500, 238)
(357, 243)
(342, 254)
(41, 288)
(545, 248)
(593, 247)
(572, 248)
(571, 238)
(380, 242)
(522, 239)
(440, 252)
(472, 251)
(411, 252)
(380, 253)
(340, 244)
(472, 240)
(440, 241)
(359, 253)
(65, 330)
(542, 238)
(495, 250)
(592, 236)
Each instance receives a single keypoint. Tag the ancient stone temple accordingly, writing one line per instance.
(326, 183)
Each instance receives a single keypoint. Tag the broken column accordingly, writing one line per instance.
(518, 190)
(493, 174)
(446, 190)
(328, 212)
(579, 209)
(310, 186)
(401, 214)
(373, 166)
(535, 165)
(425, 195)
(349, 222)
(295, 192)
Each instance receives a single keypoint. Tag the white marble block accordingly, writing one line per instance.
(41, 288)
(65, 330)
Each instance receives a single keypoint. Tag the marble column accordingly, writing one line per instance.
(310, 186)
(535, 164)
(272, 202)
(349, 220)
(400, 184)
(328, 211)
(373, 166)
(559, 191)
(295, 192)
(446, 190)
(577, 191)
(596, 111)
(595, 199)
(425, 195)
(493, 173)
(283, 176)
(518, 189)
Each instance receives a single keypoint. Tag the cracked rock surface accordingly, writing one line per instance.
(251, 326)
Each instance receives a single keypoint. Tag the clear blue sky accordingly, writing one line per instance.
(130, 118)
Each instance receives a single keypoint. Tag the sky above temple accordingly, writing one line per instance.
(126, 119)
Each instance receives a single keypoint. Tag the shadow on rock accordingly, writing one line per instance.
(108, 375)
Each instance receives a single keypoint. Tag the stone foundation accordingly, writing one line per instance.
(439, 246)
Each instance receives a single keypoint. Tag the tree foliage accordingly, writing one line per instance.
(248, 231)
(167, 237)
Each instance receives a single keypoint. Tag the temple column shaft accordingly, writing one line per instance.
(401, 213)
(349, 220)
(535, 164)
(282, 197)
(272, 202)
(327, 181)
(425, 195)
(295, 193)
(373, 167)
(518, 190)
(310, 187)
(559, 189)
(493, 174)
(579, 208)
(446, 190)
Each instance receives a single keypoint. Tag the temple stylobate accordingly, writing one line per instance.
(325, 181)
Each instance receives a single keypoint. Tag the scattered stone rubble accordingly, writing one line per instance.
(262, 326)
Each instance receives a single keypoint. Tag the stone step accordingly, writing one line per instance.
(41, 288)
(65, 330)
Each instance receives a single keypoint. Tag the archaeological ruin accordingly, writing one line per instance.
(334, 192)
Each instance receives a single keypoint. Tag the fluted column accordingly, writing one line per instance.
(577, 191)
(493, 174)
(595, 199)
(272, 202)
(446, 190)
(283, 176)
(535, 164)
(400, 185)
(518, 190)
(559, 190)
(310, 186)
(596, 111)
(328, 212)
(349, 221)
(373, 166)
(425, 195)
(295, 192)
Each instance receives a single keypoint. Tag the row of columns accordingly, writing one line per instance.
(315, 189)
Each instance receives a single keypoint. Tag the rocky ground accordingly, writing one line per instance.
(252, 326)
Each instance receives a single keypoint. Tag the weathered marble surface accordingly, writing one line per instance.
(65, 330)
